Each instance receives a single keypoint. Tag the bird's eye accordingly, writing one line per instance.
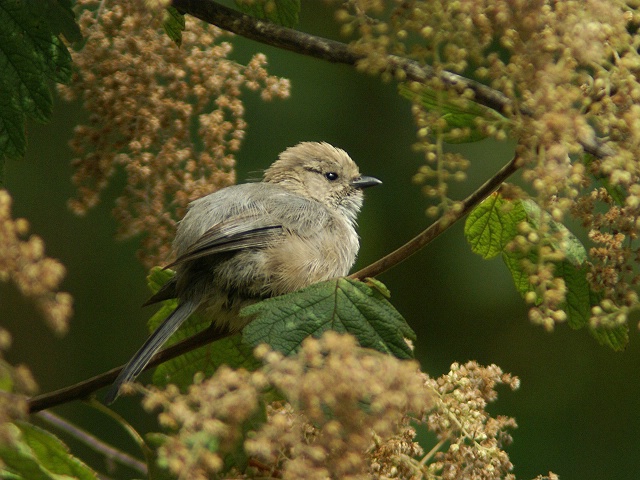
(331, 176)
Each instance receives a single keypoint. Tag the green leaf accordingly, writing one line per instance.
(615, 338)
(282, 12)
(493, 224)
(578, 298)
(31, 56)
(232, 351)
(342, 304)
(559, 236)
(360, 308)
(35, 454)
(60, 17)
(157, 277)
(174, 24)
(515, 265)
(460, 115)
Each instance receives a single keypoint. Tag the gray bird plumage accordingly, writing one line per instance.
(256, 240)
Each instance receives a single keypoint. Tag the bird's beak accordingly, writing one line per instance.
(365, 181)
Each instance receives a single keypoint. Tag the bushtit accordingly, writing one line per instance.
(248, 242)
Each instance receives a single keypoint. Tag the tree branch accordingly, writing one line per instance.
(333, 51)
(440, 225)
(87, 387)
(94, 443)
(336, 52)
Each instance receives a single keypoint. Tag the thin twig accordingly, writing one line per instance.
(439, 226)
(432, 452)
(93, 442)
(333, 51)
(87, 387)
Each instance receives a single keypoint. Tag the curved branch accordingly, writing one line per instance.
(87, 387)
(440, 225)
(333, 51)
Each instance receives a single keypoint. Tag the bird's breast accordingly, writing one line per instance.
(300, 260)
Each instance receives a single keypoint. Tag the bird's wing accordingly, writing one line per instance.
(236, 233)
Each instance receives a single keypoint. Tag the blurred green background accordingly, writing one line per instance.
(577, 408)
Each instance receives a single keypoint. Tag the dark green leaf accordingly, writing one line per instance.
(13, 141)
(60, 17)
(282, 12)
(174, 24)
(31, 56)
(578, 304)
(515, 265)
(232, 351)
(615, 338)
(36, 454)
(342, 305)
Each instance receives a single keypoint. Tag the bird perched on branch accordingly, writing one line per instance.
(252, 241)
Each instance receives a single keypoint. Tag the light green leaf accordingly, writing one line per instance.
(157, 277)
(492, 225)
(342, 304)
(559, 236)
(515, 265)
(35, 454)
(282, 12)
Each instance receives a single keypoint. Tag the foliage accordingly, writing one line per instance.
(32, 56)
(35, 454)
(500, 226)
(282, 12)
(321, 383)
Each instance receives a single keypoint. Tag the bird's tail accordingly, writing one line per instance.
(150, 347)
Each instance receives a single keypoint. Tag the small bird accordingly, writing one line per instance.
(257, 240)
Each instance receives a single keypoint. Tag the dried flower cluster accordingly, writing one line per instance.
(209, 421)
(570, 70)
(171, 118)
(476, 439)
(346, 415)
(35, 275)
(341, 395)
